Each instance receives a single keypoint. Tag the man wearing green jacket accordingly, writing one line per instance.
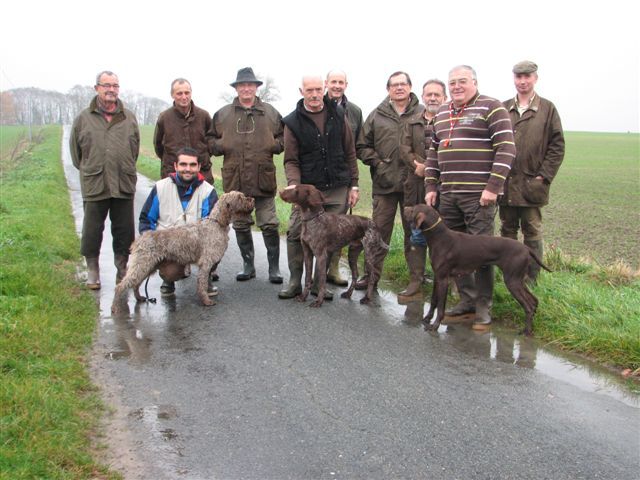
(379, 147)
(104, 143)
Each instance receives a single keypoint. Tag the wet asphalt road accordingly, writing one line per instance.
(260, 388)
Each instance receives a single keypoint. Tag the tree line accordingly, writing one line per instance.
(24, 106)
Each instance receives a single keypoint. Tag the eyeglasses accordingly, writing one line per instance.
(398, 85)
(251, 125)
(109, 85)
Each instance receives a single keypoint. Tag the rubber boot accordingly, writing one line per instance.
(93, 273)
(333, 274)
(295, 258)
(467, 293)
(245, 242)
(416, 257)
(534, 268)
(272, 243)
(484, 299)
(120, 261)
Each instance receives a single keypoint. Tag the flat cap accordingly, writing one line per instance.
(525, 66)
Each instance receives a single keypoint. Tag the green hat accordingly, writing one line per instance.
(525, 66)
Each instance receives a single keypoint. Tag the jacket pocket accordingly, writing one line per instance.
(535, 191)
(267, 178)
(92, 182)
(383, 175)
(230, 178)
(128, 179)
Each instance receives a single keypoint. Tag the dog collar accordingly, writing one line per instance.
(433, 226)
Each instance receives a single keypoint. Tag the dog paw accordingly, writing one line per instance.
(431, 327)
(365, 301)
(346, 295)
(208, 302)
(316, 303)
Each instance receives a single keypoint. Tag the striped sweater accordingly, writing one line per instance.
(476, 154)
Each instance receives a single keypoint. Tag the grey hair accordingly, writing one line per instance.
(437, 82)
(104, 72)
(180, 81)
(474, 76)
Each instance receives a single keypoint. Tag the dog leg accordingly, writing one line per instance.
(354, 253)
(203, 284)
(321, 272)
(308, 272)
(524, 297)
(440, 288)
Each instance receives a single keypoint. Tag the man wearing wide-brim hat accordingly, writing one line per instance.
(248, 133)
(539, 152)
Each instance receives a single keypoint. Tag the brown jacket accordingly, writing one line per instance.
(416, 140)
(248, 138)
(539, 151)
(174, 130)
(105, 152)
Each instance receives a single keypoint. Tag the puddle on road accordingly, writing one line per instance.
(505, 346)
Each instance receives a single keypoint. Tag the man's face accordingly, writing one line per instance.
(312, 91)
(399, 88)
(187, 168)
(181, 94)
(336, 84)
(462, 86)
(108, 89)
(525, 82)
(246, 92)
(433, 96)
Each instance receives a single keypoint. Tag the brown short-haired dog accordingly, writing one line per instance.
(456, 253)
(203, 243)
(324, 233)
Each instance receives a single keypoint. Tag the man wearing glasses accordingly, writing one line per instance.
(104, 143)
(248, 133)
(379, 147)
(470, 157)
(183, 125)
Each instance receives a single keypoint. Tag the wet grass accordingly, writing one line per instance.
(50, 409)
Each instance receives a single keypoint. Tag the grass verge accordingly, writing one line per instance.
(50, 409)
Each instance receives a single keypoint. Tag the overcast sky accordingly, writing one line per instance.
(588, 52)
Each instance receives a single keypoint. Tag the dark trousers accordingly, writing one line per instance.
(120, 212)
(462, 212)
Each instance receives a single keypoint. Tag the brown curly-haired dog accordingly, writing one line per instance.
(203, 243)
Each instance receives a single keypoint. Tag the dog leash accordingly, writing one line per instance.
(146, 291)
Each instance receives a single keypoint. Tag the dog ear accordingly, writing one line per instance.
(316, 199)
(419, 218)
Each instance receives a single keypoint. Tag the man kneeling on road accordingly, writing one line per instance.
(181, 198)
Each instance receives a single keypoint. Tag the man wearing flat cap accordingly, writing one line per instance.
(248, 133)
(539, 152)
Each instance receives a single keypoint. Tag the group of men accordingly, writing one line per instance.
(467, 157)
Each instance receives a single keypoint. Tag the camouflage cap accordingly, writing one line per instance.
(525, 66)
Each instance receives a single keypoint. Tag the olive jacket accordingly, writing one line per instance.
(105, 152)
(379, 145)
(539, 151)
(248, 138)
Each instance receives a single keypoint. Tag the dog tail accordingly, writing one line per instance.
(534, 255)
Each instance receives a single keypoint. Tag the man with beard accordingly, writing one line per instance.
(415, 145)
(104, 144)
(181, 198)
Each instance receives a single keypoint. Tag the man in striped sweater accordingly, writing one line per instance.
(470, 157)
